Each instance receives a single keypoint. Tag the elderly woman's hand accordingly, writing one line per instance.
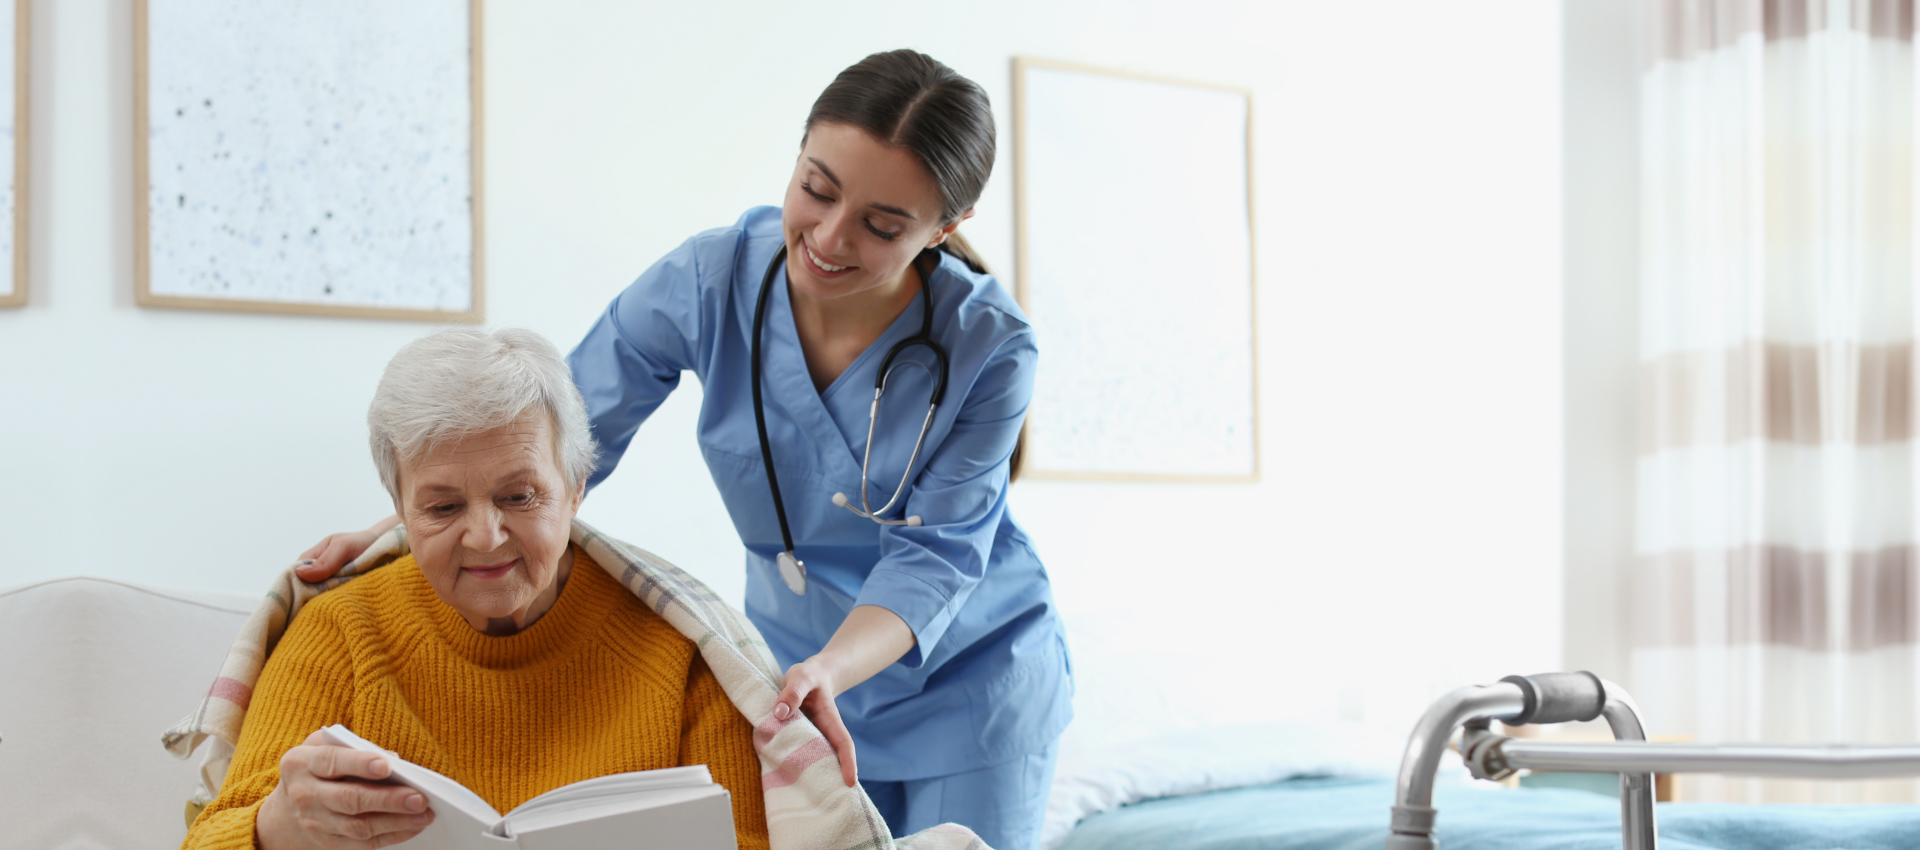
(329, 797)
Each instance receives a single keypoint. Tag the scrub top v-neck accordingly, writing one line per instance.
(988, 679)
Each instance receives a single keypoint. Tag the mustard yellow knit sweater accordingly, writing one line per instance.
(598, 685)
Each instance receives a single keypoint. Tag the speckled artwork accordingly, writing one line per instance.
(307, 152)
(1147, 329)
(8, 14)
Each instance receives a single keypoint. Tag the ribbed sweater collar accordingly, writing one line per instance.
(580, 611)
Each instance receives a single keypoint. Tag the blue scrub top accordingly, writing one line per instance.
(988, 679)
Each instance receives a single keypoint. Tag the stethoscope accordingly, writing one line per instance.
(792, 570)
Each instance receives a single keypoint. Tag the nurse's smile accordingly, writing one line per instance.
(821, 268)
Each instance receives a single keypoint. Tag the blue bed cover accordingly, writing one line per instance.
(1349, 814)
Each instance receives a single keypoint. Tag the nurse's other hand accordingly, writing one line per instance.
(809, 688)
(333, 798)
(331, 553)
(334, 551)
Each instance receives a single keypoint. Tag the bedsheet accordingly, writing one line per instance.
(1346, 814)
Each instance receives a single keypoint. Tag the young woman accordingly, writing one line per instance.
(880, 551)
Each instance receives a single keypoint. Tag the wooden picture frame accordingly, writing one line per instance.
(16, 296)
(1112, 441)
(145, 290)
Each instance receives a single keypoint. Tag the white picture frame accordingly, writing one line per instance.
(310, 158)
(13, 192)
(1134, 261)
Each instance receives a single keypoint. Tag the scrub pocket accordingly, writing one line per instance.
(1025, 708)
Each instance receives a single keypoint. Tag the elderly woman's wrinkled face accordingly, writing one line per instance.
(487, 517)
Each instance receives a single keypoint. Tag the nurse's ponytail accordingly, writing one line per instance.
(957, 246)
(909, 100)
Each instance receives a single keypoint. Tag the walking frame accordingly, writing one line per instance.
(1581, 696)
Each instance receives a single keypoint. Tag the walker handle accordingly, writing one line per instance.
(1558, 697)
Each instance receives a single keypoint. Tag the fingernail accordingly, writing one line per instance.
(780, 711)
(415, 803)
(377, 766)
(420, 818)
(307, 562)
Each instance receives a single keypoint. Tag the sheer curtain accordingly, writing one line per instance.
(1774, 593)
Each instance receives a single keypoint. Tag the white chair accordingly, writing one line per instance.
(91, 672)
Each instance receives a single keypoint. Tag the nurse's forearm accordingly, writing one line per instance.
(870, 639)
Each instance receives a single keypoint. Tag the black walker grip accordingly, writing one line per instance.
(1558, 697)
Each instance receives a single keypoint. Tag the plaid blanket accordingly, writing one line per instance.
(808, 804)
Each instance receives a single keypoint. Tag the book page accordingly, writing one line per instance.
(694, 820)
(678, 807)
(460, 817)
(619, 785)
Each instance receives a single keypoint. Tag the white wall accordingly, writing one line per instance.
(1406, 537)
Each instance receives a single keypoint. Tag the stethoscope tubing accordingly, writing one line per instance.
(792, 569)
(866, 458)
(759, 410)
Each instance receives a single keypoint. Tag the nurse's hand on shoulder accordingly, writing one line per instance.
(333, 798)
(809, 688)
(334, 551)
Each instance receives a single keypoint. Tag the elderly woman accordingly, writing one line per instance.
(496, 652)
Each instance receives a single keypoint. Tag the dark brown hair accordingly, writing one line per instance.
(909, 100)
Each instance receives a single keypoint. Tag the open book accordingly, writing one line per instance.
(676, 807)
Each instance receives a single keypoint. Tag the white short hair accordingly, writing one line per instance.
(457, 382)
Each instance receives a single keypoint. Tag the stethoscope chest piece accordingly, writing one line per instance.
(793, 572)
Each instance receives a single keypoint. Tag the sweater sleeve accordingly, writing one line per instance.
(307, 684)
(717, 736)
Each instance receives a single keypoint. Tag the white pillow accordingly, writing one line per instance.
(1088, 781)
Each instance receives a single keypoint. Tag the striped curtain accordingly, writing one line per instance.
(1774, 592)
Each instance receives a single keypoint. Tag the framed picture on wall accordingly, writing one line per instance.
(1149, 352)
(13, 136)
(306, 157)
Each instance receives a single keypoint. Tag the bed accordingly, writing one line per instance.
(1351, 814)
(1304, 785)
